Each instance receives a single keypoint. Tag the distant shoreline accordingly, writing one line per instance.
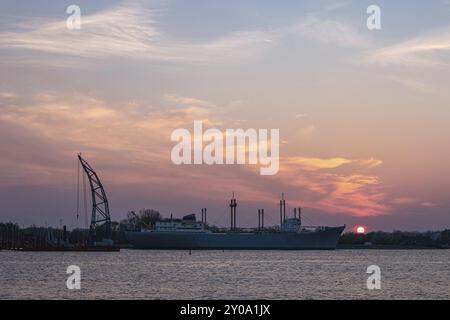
(390, 247)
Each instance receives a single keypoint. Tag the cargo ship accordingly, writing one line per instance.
(188, 233)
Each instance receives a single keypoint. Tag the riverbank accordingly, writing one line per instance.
(390, 247)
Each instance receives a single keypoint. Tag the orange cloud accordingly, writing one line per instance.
(317, 163)
(112, 133)
(347, 191)
(131, 143)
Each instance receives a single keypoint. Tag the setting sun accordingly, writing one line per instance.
(360, 230)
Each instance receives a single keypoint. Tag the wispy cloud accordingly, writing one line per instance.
(432, 49)
(8, 95)
(317, 163)
(370, 163)
(312, 164)
(174, 99)
(405, 200)
(129, 31)
(330, 32)
(119, 31)
(134, 32)
(416, 85)
(408, 201)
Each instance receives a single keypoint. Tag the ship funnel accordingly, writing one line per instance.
(64, 234)
(282, 209)
(233, 205)
(259, 219)
(203, 215)
(231, 214)
(234, 219)
(262, 218)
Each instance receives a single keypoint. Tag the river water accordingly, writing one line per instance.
(139, 274)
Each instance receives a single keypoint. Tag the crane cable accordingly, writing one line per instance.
(78, 190)
(85, 203)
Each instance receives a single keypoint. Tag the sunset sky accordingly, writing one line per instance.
(364, 116)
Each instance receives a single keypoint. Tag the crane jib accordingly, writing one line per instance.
(100, 207)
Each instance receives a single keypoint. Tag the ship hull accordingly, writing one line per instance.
(315, 240)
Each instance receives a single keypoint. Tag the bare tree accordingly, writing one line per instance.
(149, 216)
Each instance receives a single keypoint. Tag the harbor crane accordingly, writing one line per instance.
(100, 217)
